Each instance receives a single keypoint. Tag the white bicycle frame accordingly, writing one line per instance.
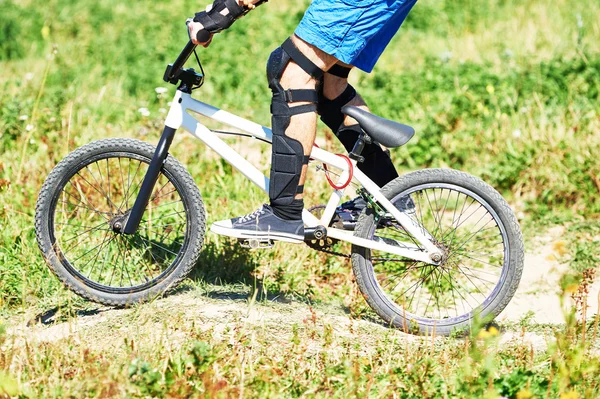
(178, 116)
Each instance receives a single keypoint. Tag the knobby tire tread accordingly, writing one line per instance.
(361, 266)
(190, 190)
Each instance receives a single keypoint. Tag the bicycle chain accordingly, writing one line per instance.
(317, 246)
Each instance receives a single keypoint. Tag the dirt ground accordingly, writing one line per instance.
(538, 291)
(536, 300)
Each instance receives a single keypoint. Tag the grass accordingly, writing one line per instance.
(201, 345)
(507, 90)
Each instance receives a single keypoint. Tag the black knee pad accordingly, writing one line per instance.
(339, 71)
(377, 164)
(288, 157)
(330, 111)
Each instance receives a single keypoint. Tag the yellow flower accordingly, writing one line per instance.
(490, 89)
(493, 331)
(524, 394)
(560, 247)
(571, 288)
(45, 31)
(483, 334)
(569, 395)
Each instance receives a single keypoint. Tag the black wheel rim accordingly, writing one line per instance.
(92, 199)
(475, 244)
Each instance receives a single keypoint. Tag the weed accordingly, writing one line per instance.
(507, 90)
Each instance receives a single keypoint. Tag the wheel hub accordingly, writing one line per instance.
(442, 257)
(117, 223)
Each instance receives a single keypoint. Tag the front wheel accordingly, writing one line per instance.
(479, 236)
(84, 199)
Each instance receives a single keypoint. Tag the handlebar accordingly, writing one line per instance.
(202, 36)
(174, 70)
(182, 59)
(185, 53)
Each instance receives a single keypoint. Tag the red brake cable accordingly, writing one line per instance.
(350, 174)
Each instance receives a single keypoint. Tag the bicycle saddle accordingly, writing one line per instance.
(389, 133)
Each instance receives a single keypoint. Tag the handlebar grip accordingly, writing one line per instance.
(203, 36)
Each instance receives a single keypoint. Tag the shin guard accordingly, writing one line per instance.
(288, 157)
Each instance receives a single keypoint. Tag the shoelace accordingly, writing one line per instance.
(252, 215)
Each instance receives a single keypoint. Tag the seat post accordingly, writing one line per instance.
(359, 146)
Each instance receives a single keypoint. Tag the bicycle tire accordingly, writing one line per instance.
(395, 312)
(149, 252)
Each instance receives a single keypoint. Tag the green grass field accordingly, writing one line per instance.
(506, 90)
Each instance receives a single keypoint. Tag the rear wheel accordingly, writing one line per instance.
(85, 199)
(483, 254)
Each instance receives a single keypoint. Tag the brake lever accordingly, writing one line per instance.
(187, 24)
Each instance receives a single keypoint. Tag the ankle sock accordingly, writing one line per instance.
(289, 212)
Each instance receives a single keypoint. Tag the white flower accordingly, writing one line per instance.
(23, 117)
(517, 133)
(579, 21)
(29, 128)
(162, 110)
(28, 76)
(144, 111)
(446, 56)
(161, 90)
(169, 104)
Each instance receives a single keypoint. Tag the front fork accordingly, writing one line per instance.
(141, 202)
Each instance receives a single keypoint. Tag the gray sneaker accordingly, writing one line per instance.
(262, 224)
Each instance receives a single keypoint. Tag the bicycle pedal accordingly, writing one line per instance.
(256, 243)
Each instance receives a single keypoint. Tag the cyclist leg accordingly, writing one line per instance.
(330, 29)
(365, 34)
(363, 45)
(294, 122)
(293, 71)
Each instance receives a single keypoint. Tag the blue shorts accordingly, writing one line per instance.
(354, 31)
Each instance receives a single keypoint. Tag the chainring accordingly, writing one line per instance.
(324, 244)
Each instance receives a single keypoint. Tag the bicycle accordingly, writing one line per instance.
(120, 221)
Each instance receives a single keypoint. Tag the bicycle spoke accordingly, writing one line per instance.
(101, 191)
(474, 249)
(127, 195)
(94, 198)
(95, 258)
(163, 216)
(66, 251)
(105, 255)
(86, 202)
